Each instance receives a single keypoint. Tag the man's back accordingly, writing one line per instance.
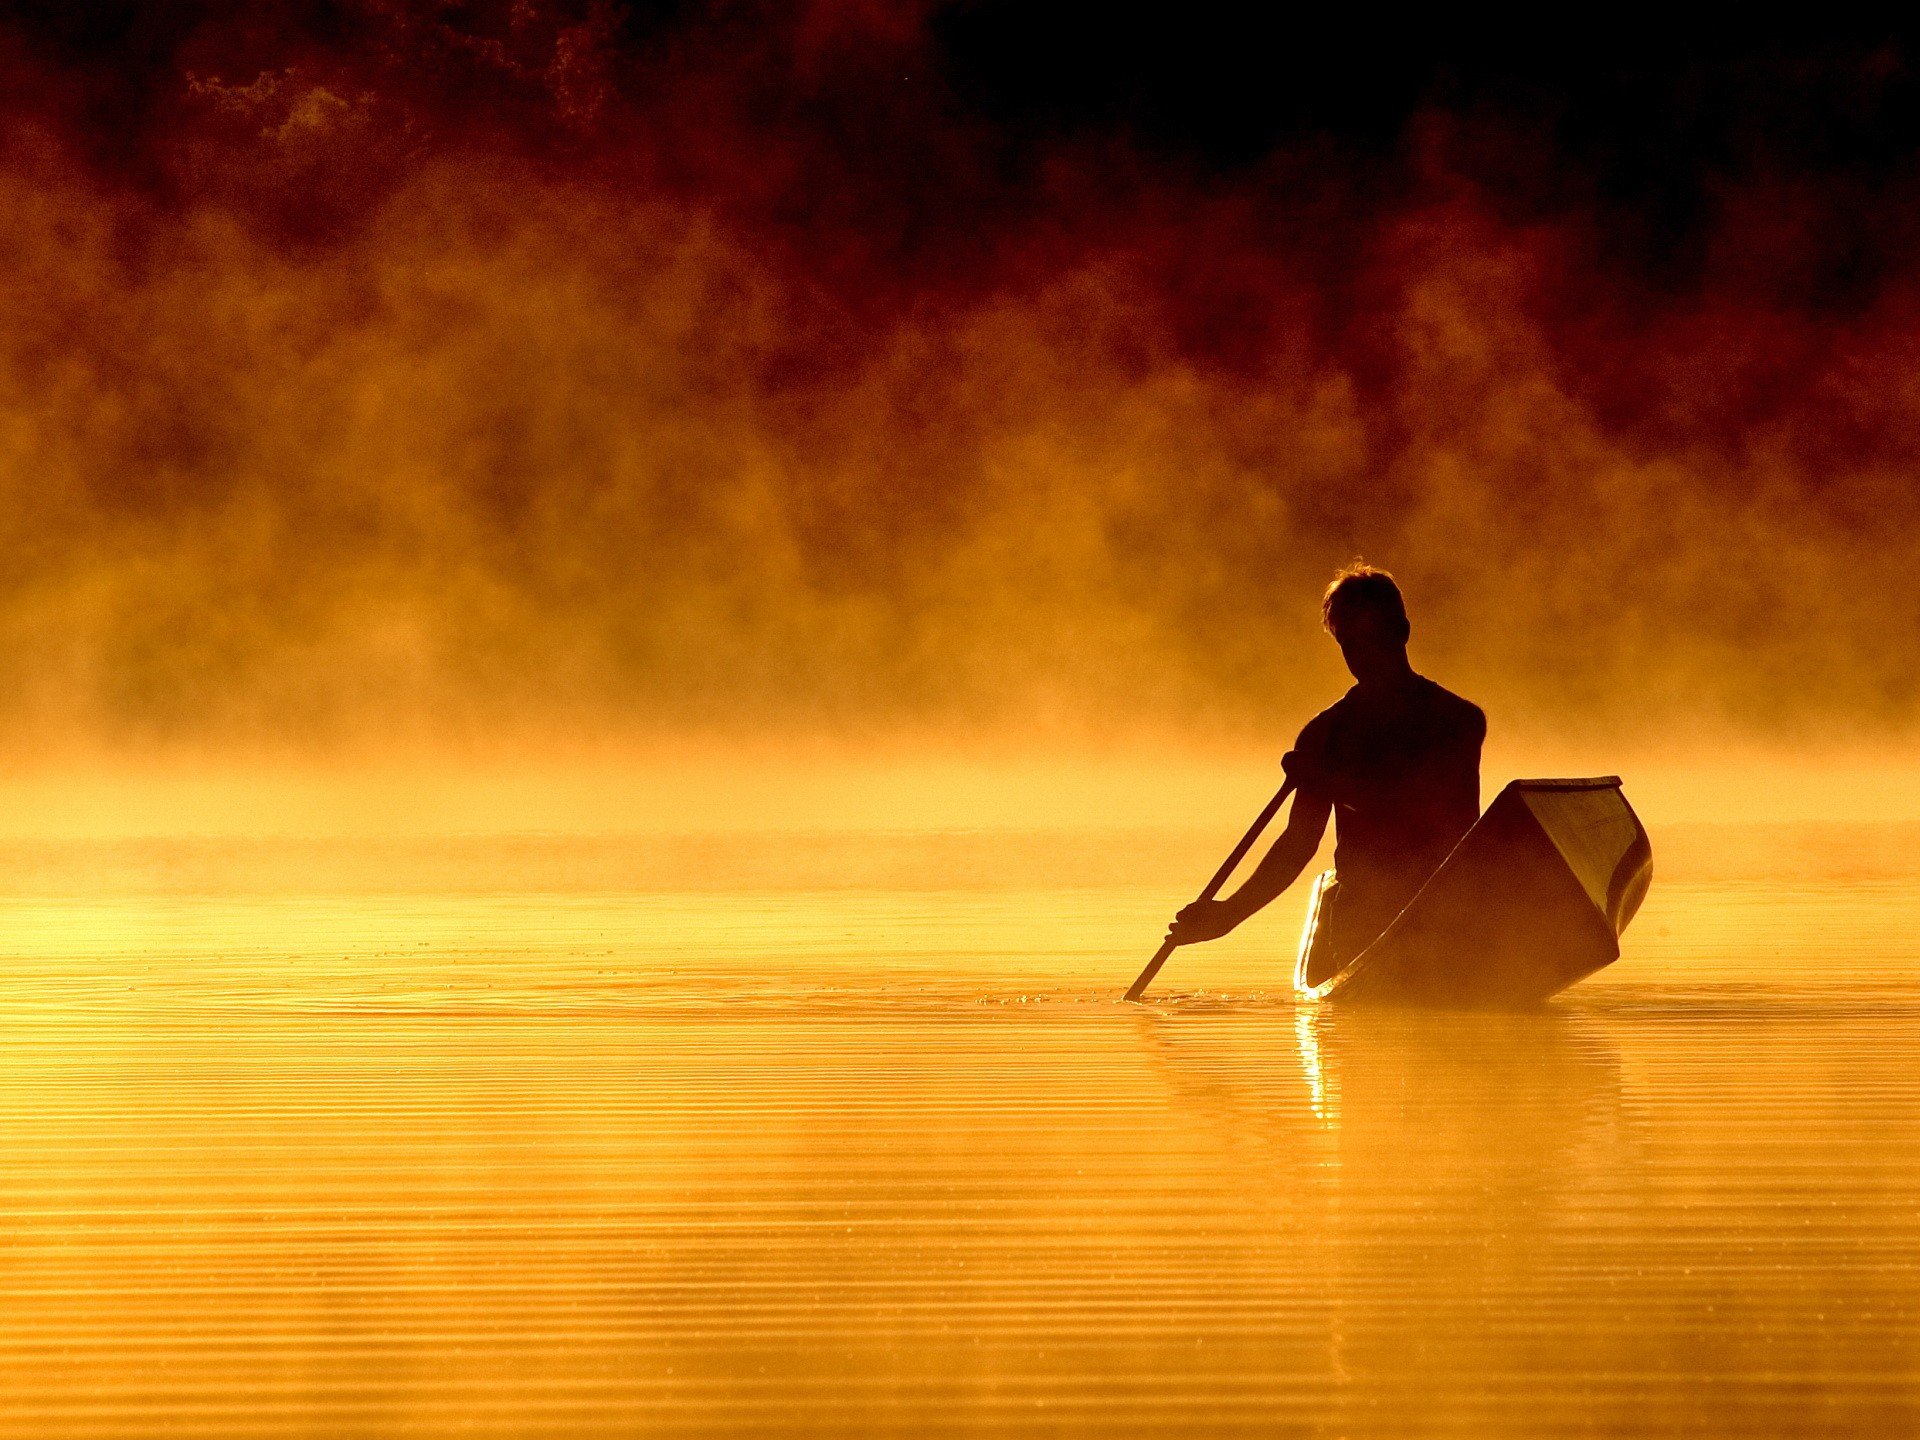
(1400, 764)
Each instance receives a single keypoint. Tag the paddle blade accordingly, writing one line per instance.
(1139, 987)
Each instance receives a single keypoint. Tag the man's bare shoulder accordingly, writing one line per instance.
(1328, 719)
(1456, 710)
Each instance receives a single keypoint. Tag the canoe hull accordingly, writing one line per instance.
(1532, 900)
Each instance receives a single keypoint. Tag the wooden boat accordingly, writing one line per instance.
(1532, 899)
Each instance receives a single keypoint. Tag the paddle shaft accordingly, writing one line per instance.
(1139, 987)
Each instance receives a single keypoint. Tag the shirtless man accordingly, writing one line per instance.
(1396, 761)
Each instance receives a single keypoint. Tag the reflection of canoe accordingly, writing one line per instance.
(1533, 898)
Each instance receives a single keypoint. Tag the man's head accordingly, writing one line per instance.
(1364, 613)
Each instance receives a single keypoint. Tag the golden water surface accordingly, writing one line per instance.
(836, 1135)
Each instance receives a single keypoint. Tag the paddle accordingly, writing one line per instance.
(1139, 986)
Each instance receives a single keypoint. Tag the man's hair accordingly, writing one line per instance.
(1361, 587)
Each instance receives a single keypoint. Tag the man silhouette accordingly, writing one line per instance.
(1396, 761)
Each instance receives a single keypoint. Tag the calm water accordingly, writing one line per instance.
(336, 1140)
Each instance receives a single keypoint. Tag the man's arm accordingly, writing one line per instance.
(1291, 853)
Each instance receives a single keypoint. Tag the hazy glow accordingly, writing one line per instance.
(345, 439)
(603, 688)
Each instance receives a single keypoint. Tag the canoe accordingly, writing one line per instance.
(1533, 898)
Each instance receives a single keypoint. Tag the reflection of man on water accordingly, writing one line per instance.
(1396, 760)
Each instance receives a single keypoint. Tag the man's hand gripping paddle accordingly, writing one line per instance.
(1220, 876)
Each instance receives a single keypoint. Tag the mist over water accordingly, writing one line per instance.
(460, 377)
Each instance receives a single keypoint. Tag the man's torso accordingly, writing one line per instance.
(1400, 765)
